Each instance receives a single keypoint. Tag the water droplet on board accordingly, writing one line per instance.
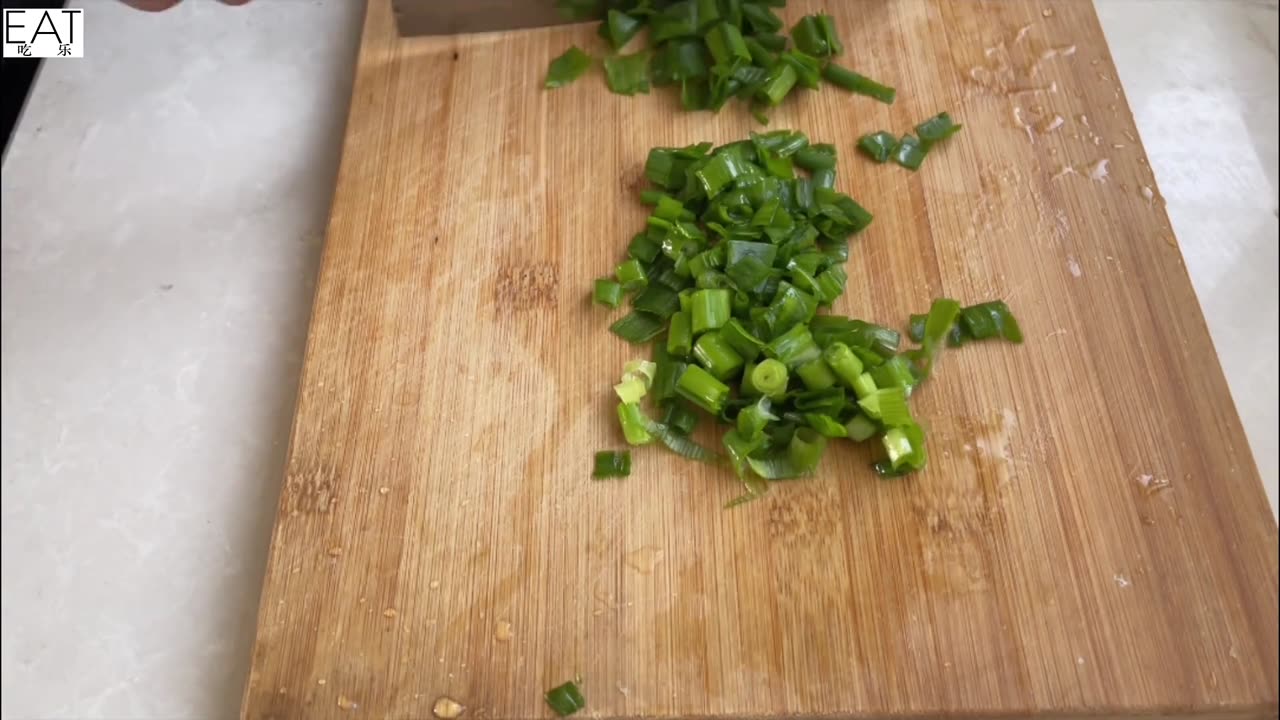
(447, 708)
(644, 560)
(1148, 194)
(1073, 267)
(346, 703)
(1098, 170)
(1049, 125)
(1047, 12)
(502, 631)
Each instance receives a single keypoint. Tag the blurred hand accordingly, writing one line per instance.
(158, 5)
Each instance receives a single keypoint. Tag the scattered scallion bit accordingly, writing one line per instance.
(628, 74)
(878, 146)
(612, 464)
(910, 153)
(742, 251)
(847, 79)
(565, 699)
(936, 129)
(567, 68)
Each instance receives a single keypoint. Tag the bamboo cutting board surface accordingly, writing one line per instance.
(1090, 537)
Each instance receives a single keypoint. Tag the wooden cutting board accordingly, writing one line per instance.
(1090, 537)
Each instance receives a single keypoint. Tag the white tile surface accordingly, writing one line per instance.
(163, 210)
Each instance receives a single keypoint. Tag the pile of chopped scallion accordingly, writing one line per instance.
(745, 244)
(712, 50)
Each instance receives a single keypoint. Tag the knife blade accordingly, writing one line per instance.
(450, 17)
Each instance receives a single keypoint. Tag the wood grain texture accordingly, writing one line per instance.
(438, 534)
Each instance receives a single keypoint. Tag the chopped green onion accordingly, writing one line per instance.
(864, 386)
(741, 340)
(816, 157)
(991, 319)
(637, 327)
(709, 309)
(608, 292)
(861, 428)
(567, 68)
(631, 390)
(726, 45)
(761, 19)
(909, 153)
(679, 335)
(633, 423)
(937, 327)
(658, 300)
(769, 378)
(862, 85)
(843, 362)
(631, 275)
(888, 405)
(679, 443)
(680, 418)
(809, 37)
(754, 418)
(702, 389)
(717, 355)
(627, 74)
(826, 425)
(936, 129)
(793, 348)
(878, 146)
(816, 375)
(619, 27)
(611, 464)
(565, 699)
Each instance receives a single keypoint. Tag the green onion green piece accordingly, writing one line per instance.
(608, 292)
(991, 319)
(761, 19)
(760, 55)
(611, 464)
(861, 428)
(905, 447)
(772, 42)
(843, 362)
(816, 157)
(669, 370)
(754, 418)
(808, 36)
(644, 248)
(633, 423)
(567, 68)
(793, 348)
(619, 27)
(679, 444)
(769, 378)
(627, 74)
(816, 375)
(936, 129)
(853, 82)
(864, 386)
(680, 418)
(631, 390)
(717, 355)
(726, 45)
(826, 425)
(808, 68)
(631, 275)
(709, 309)
(827, 25)
(915, 327)
(741, 340)
(909, 153)
(895, 372)
(942, 316)
(878, 146)
(659, 300)
(805, 449)
(643, 369)
(888, 405)
(677, 20)
(702, 389)
(637, 327)
(721, 170)
(565, 699)
(680, 336)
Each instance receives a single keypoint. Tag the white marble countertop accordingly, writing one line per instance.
(164, 202)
